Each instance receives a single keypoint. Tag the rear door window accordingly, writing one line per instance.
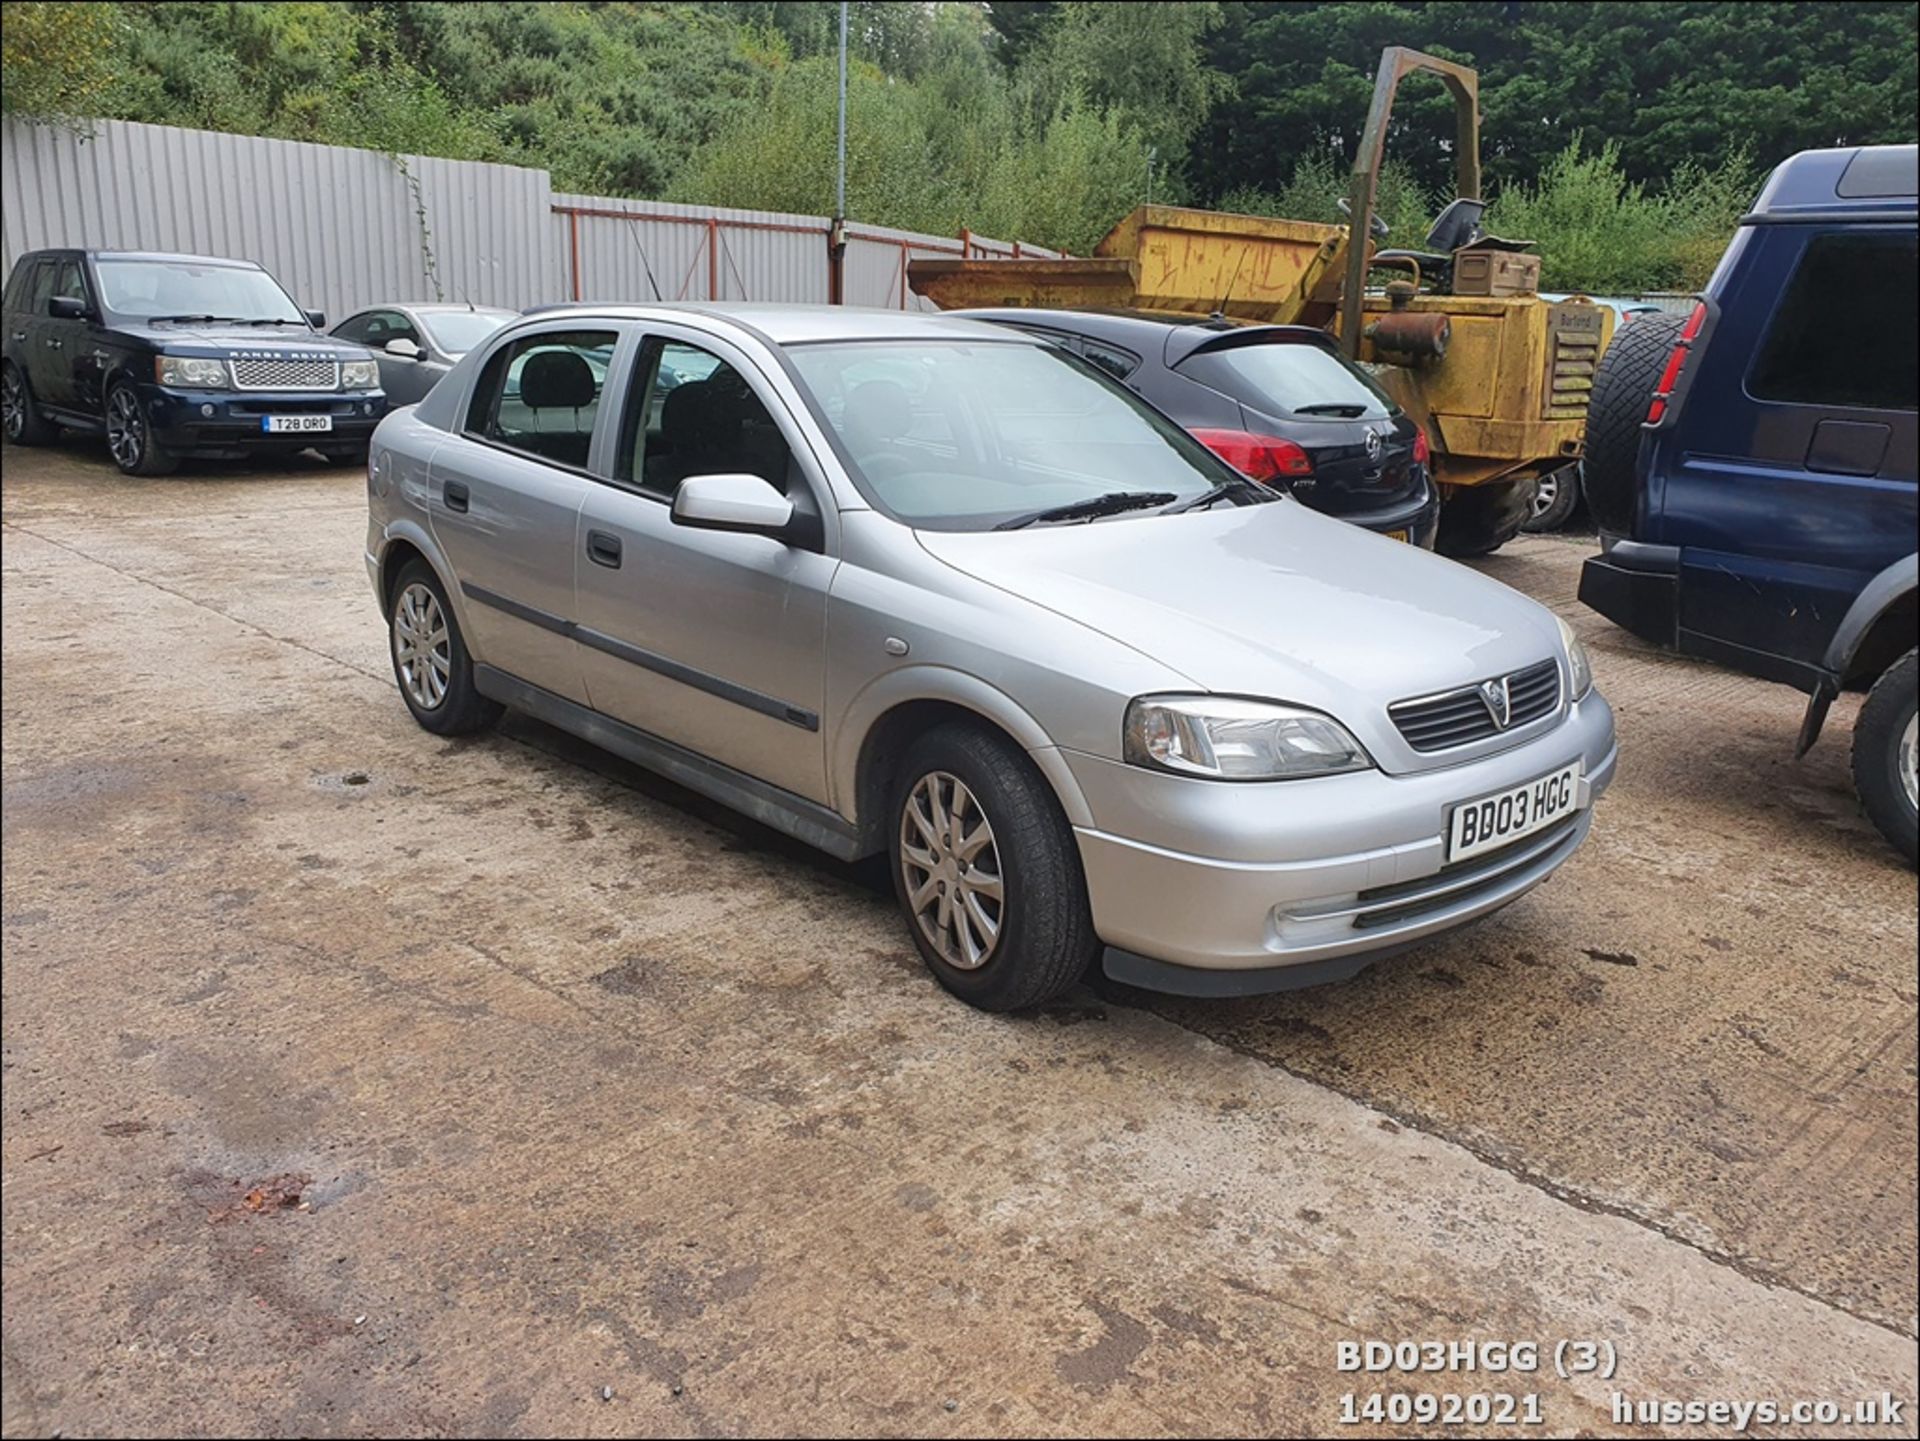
(42, 290)
(541, 394)
(1843, 333)
(1291, 379)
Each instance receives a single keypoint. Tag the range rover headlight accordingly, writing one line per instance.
(1579, 668)
(194, 371)
(360, 374)
(1228, 739)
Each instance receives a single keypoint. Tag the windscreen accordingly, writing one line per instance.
(149, 289)
(455, 332)
(1291, 379)
(962, 436)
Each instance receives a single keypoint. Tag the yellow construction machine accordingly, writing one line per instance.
(1497, 376)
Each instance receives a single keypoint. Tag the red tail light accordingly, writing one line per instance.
(1676, 362)
(1422, 452)
(1259, 457)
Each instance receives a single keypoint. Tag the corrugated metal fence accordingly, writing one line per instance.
(344, 228)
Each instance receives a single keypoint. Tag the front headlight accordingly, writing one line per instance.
(1579, 668)
(360, 374)
(1237, 740)
(190, 370)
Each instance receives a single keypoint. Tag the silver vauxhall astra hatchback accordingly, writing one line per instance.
(929, 587)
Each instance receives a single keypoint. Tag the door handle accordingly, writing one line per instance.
(603, 549)
(455, 495)
(53, 345)
(19, 335)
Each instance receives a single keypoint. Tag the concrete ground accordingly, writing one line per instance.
(357, 1082)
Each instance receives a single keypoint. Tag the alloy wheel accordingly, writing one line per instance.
(126, 429)
(1907, 761)
(422, 647)
(13, 403)
(951, 865)
(1546, 490)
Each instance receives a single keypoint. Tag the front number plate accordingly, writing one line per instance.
(1493, 821)
(295, 424)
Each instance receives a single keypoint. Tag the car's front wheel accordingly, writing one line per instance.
(1884, 759)
(24, 424)
(986, 869)
(130, 435)
(430, 659)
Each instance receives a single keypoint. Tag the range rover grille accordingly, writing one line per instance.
(285, 374)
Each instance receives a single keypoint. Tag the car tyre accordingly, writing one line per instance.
(24, 423)
(130, 435)
(1884, 757)
(1616, 410)
(1479, 519)
(986, 871)
(1556, 495)
(431, 664)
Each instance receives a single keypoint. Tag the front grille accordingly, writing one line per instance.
(285, 374)
(1459, 717)
(1457, 883)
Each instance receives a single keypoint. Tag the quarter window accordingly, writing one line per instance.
(696, 415)
(541, 394)
(1116, 362)
(1843, 333)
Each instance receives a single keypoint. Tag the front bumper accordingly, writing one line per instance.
(226, 423)
(1212, 888)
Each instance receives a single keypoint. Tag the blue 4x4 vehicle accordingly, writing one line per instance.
(177, 355)
(1752, 465)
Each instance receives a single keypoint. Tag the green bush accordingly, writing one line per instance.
(1599, 232)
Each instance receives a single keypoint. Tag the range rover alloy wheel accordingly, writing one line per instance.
(130, 435)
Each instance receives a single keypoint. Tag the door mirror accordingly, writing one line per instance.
(317, 319)
(732, 502)
(404, 348)
(67, 307)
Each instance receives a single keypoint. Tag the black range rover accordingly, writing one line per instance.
(174, 356)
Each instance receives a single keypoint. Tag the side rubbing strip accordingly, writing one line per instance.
(661, 665)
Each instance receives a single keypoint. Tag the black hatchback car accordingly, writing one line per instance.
(174, 356)
(1279, 403)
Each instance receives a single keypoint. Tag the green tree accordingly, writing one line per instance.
(56, 60)
(1144, 62)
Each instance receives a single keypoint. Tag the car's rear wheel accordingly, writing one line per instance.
(24, 423)
(987, 872)
(1556, 495)
(130, 435)
(1479, 519)
(1616, 410)
(430, 659)
(1884, 759)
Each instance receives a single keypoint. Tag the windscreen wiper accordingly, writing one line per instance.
(1256, 493)
(273, 321)
(190, 319)
(1331, 407)
(1112, 503)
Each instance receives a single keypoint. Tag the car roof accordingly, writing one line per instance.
(169, 255)
(1168, 336)
(434, 307)
(1859, 180)
(795, 324)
